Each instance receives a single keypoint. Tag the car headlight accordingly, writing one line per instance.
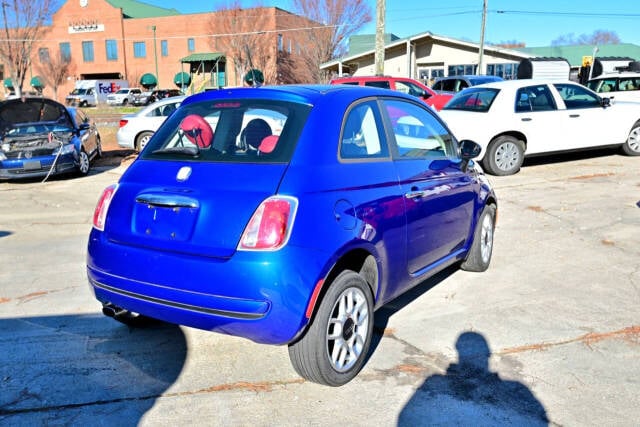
(2, 156)
(65, 149)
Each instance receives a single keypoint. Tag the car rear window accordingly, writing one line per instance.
(473, 99)
(230, 131)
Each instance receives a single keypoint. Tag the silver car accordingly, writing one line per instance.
(136, 129)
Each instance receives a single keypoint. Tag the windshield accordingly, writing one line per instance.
(473, 99)
(231, 131)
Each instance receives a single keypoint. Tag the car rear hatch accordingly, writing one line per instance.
(203, 216)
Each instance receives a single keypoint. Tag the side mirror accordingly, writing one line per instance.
(606, 102)
(84, 126)
(468, 150)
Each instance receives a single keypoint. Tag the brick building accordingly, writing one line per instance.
(127, 39)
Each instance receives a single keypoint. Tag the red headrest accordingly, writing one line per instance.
(197, 130)
(268, 144)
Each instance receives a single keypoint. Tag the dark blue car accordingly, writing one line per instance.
(40, 137)
(287, 215)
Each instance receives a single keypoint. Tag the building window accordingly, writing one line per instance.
(191, 45)
(65, 51)
(87, 51)
(43, 55)
(459, 70)
(280, 43)
(112, 50)
(164, 48)
(139, 50)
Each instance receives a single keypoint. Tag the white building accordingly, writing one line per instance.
(426, 56)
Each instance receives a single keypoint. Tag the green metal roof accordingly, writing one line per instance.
(574, 53)
(137, 9)
(199, 57)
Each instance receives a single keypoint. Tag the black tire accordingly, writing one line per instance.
(125, 102)
(84, 104)
(504, 156)
(631, 147)
(84, 164)
(142, 139)
(98, 147)
(479, 256)
(334, 348)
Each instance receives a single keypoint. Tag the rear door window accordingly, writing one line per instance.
(379, 83)
(363, 133)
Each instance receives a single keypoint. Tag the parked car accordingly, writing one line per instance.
(624, 86)
(40, 137)
(286, 215)
(446, 87)
(136, 129)
(149, 97)
(123, 96)
(400, 84)
(515, 119)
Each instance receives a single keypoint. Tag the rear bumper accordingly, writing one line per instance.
(259, 296)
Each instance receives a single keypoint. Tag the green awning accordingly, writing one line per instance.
(182, 79)
(200, 57)
(148, 80)
(37, 82)
(8, 82)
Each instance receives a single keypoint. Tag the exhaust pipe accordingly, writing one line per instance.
(111, 310)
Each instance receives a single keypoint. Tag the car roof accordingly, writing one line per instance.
(504, 84)
(309, 93)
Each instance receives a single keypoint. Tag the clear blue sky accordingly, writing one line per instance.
(534, 23)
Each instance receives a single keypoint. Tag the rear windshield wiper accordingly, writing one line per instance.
(186, 151)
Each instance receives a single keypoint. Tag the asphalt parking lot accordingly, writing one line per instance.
(550, 334)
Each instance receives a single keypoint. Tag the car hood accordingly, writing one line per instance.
(20, 112)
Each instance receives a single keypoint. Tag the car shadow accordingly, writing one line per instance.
(548, 159)
(384, 313)
(83, 369)
(468, 393)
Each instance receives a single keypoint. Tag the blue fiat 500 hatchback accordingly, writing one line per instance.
(288, 215)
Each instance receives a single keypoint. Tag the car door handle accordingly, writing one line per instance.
(414, 194)
(573, 116)
(526, 119)
(167, 201)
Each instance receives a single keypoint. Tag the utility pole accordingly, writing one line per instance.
(480, 69)
(379, 55)
(155, 55)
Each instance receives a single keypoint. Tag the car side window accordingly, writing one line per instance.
(576, 97)
(378, 83)
(418, 133)
(449, 85)
(630, 83)
(534, 98)
(362, 133)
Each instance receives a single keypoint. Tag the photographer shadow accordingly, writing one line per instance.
(468, 393)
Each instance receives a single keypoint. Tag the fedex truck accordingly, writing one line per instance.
(93, 92)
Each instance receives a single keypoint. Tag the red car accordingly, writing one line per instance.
(401, 84)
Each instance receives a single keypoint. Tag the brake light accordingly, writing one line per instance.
(270, 226)
(100, 214)
(123, 122)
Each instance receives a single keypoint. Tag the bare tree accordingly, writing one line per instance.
(598, 37)
(55, 69)
(24, 26)
(240, 34)
(337, 21)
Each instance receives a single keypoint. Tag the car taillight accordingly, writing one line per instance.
(270, 226)
(123, 122)
(100, 214)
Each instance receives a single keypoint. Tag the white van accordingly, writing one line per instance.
(89, 93)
